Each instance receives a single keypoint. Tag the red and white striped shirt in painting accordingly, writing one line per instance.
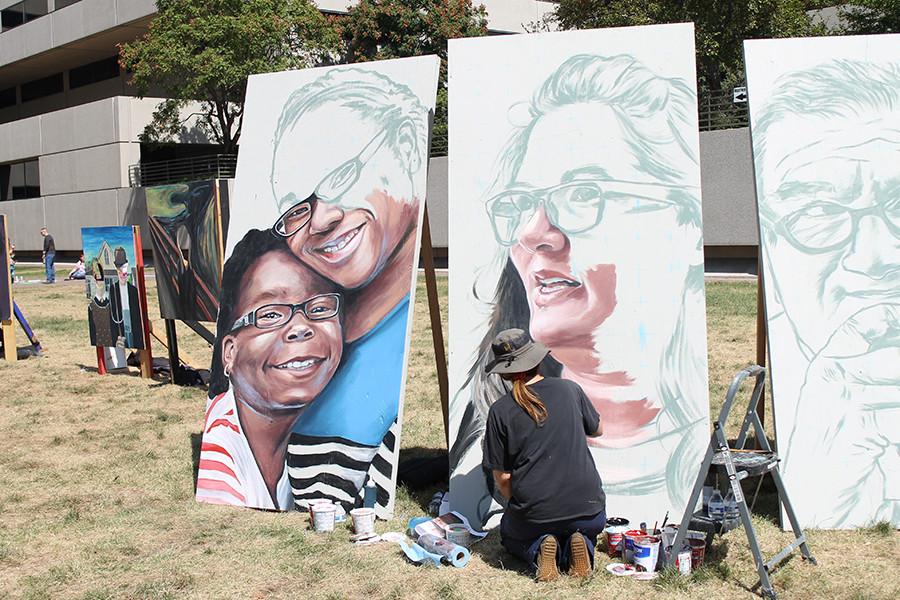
(228, 472)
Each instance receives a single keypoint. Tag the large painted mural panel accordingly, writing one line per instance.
(115, 312)
(309, 368)
(825, 123)
(186, 225)
(575, 214)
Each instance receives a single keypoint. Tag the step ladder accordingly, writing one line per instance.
(739, 463)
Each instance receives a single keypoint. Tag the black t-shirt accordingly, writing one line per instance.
(553, 473)
(49, 245)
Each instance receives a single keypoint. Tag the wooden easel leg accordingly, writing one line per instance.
(146, 363)
(172, 346)
(146, 355)
(761, 341)
(9, 340)
(101, 360)
(437, 332)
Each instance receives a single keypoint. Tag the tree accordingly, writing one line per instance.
(871, 16)
(204, 50)
(381, 29)
(721, 27)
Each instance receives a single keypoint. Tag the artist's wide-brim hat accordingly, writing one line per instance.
(515, 352)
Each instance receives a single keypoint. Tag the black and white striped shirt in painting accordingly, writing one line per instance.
(338, 469)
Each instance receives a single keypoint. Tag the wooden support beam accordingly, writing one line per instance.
(761, 340)
(9, 340)
(146, 355)
(437, 331)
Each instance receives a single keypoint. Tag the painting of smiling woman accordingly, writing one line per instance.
(585, 232)
(279, 343)
(314, 335)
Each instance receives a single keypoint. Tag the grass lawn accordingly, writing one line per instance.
(96, 491)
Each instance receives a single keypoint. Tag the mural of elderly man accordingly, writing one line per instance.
(350, 210)
(826, 143)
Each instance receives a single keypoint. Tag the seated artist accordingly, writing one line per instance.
(280, 341)
(535, 446)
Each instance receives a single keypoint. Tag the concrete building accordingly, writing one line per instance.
(69, 127)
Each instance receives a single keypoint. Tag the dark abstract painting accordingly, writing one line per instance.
(187, 221)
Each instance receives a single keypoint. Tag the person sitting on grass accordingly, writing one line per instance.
(77, 271)
(279, 343)
(535, 445)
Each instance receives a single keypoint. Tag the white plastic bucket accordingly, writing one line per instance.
(323, 518)
(646, 553)
(363, 520)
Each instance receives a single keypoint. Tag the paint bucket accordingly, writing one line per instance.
(311, 504)
(458, 534)
(615, 531)
(630, 536)
(683, 561)
(698, 551)
(363, 520)
(323, 518)
(646, 553)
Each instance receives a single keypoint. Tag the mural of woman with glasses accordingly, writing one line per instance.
(595, 212)
(350, 212)
(826, 139)
(279, 343)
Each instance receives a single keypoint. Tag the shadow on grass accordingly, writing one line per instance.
(492, 552)
(423, 472)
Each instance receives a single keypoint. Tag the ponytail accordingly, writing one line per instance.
(527, 399)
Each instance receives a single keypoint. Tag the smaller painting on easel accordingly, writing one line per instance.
(113, 263)
(186, 224)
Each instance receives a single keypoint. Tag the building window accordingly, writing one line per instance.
(45, 86)
(20, 180)
(22, 12)
(8, 97)
(64, 3)
(108, 68)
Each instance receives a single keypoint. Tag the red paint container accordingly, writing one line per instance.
(698, 551)
(615, 535)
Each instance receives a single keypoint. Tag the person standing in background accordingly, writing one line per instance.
(49, 256)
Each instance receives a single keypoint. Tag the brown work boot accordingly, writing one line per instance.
(546, 560)
(579, 561)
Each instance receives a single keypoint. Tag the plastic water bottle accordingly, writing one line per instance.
(371, 495)
(716, 508)
(339, 513)
(731, 507)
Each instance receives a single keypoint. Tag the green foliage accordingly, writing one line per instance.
(721, 27)
(871, 16)
(882, 528)
(381, 29)
(204, 50)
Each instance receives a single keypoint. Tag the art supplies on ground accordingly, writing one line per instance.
(645, 551)
(451, 524)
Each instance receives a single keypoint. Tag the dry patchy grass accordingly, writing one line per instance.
(96, 492)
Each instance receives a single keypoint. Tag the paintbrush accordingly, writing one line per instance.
(665, 520)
